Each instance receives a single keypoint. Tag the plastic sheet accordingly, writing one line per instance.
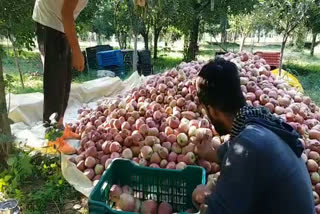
(26, 112)
(289, 78)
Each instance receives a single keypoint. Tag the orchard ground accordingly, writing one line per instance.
(36, 180)
(300, 63)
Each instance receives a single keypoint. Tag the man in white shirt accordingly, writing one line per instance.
(60, 51)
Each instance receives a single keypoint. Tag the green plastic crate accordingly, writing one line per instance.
(172, 186)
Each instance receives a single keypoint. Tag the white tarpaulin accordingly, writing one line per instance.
(26, 111)
(26, 108)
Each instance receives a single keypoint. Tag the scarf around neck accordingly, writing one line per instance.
(244, 114)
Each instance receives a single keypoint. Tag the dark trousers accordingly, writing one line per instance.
(57, 77)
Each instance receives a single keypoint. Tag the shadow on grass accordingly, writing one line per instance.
(309, 77)
(165, 62)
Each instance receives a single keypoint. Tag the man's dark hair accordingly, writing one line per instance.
(220, 87)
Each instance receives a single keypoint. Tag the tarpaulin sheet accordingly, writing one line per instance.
(26, 111)
(289, 78)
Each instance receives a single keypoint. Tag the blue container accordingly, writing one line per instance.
(110, 58)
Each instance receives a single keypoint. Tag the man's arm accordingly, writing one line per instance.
(235, 189)
(70, 30)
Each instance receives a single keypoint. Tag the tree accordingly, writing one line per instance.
(103, 23)
(313, 24)
(286, 16)
(5, 131)
(171, 35)
(244, 25)
(145, 23)
(188, 21)
(261, 22)
(88, 15)
(17, 28)
(162, 15)
(193, 14)
(299, 36)
(122, 22)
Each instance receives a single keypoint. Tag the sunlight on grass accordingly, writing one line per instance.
(300, 63)
(166, 61)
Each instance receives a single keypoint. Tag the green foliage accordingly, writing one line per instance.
(171, 34)
(53, 133)
(300, 34)
(189, 11)
(86, 17)
(286, 15)
(37, 182)
(313, 19)
(244, 24)
(122, 23)
(20, 168)
(303, 69)
(103, 23)
(14, 24)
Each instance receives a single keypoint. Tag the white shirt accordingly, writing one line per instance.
(48, 12)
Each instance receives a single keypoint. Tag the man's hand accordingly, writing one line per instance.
(207, 148)
(203, 209)
(78, 60)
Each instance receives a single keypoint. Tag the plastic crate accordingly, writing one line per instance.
(127, 56)
(144, 57)
(92, 54)
(172, 186)
(109, 58)
(145, 69)
(272, 58)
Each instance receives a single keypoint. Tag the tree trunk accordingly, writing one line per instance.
(135, 53)
(193, 44)
(151, 43)
(156, 33)
(224, 30)
(185, 45)
(119, 40)
(313, 44)
(259, 32)
(242, 42)
(146, 40)
(145, 35)
(283, 45)
(99, 39)
(18, 65)
(125, 42)
(155, 46)
(5, 131)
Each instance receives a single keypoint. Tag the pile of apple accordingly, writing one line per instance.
(156, 125)
(159, 124)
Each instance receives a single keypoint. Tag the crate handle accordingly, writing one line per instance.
(103, 187)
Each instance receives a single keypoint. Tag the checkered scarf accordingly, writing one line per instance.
(244, 114)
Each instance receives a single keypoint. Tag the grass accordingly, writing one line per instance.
(36, 181)
(309, 77)
(165, 62)
(30, 63)
(295, 61)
